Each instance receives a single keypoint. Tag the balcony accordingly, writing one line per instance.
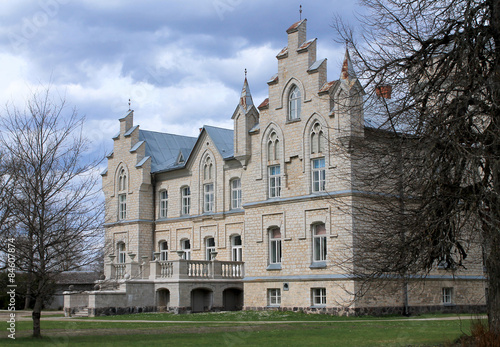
(175, 270)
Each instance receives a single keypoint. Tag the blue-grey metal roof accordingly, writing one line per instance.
(164, 148)
(223, 140)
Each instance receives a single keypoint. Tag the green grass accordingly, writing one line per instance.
(258, 316)
(348, 333)
(226, 329)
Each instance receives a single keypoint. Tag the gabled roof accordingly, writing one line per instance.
(223, 140)
(164, 148)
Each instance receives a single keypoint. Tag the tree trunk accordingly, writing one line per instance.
(37, 310)
(493, 270)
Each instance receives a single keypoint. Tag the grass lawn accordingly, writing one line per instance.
(335, 331)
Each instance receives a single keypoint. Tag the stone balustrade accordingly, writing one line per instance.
(180, 269)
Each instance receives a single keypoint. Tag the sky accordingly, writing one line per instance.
(181, 63)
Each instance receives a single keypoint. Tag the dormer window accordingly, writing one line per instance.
(294, 104)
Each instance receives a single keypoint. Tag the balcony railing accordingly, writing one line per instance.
(179, 270)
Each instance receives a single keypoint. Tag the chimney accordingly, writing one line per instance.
(384, 91)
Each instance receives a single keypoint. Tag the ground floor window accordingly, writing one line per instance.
(318, 296)
(274, 297)
(447, 296)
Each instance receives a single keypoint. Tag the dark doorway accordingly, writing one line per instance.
(232, 299)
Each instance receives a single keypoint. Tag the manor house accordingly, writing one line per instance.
(253, 217)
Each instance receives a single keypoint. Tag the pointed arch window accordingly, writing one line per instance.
(294, 104)
(273, 147)
(208, 169)
(317, 139)
(122, 194)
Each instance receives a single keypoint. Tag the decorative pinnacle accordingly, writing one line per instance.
(129, 104)
(300, 11)
(245, 73)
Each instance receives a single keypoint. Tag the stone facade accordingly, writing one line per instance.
(265, 200)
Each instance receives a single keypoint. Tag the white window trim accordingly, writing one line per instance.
(275, 247)
(274, 297)
(318, 175)
(163, 251)
(209, 248)
(236, 193)
(294, 103)
(274, 181)
(208, 198)
(320, 253)
(236, 250)
(447, 295)
(163, 204)
(185, 201)
(122, 206)
(187, 251)
(318, 297)
(122, 255)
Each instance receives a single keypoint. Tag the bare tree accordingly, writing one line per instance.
(437, 137)
(55, 200)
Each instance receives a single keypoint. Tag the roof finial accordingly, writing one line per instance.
(129, 105)
(300, 11)
(346, 43)
(245, 73)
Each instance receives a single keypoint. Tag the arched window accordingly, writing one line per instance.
(236, 248)
(209, 247)
(319, 242)
(275, 246)
(208, 169)
(163, 250)
(163, 204)
(120, 247)
(186, 200)
(273, 148)
(294, 103)
(122, 194)
(317, 139)
(186, 247)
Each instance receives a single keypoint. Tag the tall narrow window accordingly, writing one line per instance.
(186, 247)
(186, 200)
(208, 205)
(274, 181)
(294, 104)
(319, 242)
(163, 204)
(164, 251)
(318, 296)
(210, 247)
(275, 246)
(317, 139)
(121, 252)
(122, 195)
(273, 148)
(236, 193)
(236, 248)
(318, 175)
(208, 169)
(274, 297)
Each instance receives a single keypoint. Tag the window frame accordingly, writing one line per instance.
(275, 247)
(318, 175)
(319, 244)
(274, 181)
(122, 206)
(185, 201)
(163, 251)
(208, 198)
(318, 297)
(236, 194)
(187, 250)
(294, 103)
(121, 251)
(447, 295)
(209, 248)
(163, 203)
(236, 249)
(274, 297)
